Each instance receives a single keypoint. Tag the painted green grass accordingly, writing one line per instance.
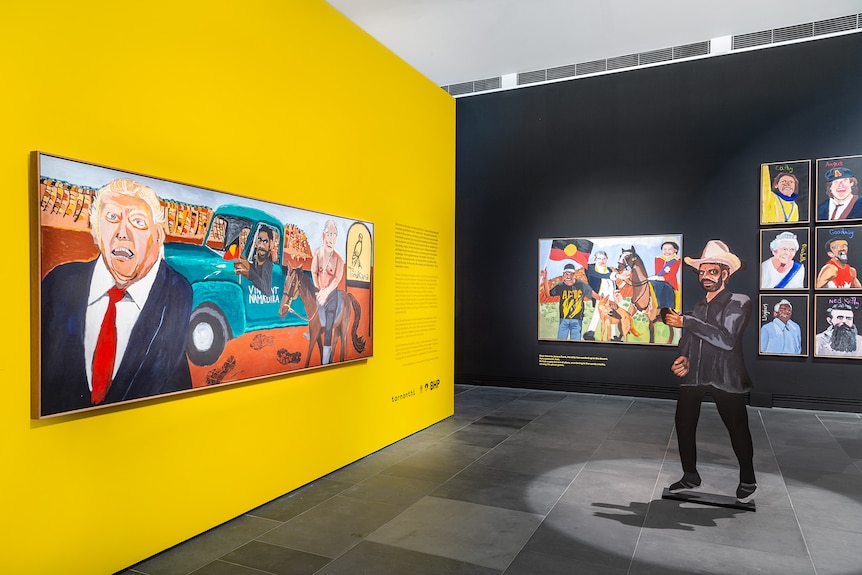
(549, 322)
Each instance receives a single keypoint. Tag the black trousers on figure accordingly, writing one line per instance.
(731, 408)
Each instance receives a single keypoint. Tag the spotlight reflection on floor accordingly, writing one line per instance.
(634, 510)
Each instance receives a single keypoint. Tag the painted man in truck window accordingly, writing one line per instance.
(710, 360)
(259, 269)
(115, 328)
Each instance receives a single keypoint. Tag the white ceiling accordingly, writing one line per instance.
(453, 41)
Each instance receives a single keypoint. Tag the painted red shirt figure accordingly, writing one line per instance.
(667, 264)
(667, 270)
(837, 273)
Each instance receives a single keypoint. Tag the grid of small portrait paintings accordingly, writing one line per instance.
(811, 229)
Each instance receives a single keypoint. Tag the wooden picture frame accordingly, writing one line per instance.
(218, 288)
(785, 192)
(837, 250)
(783, 321)
(838, 176)
(619, 269)
(830, 312)
(784, 258)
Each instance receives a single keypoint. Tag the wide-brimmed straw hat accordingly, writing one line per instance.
(716, 252)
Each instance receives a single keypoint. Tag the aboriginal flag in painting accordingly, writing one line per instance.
(577, 249)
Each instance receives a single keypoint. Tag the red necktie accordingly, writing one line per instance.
(835, 211)
(106, 348)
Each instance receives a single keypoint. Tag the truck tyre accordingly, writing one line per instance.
(208, 335)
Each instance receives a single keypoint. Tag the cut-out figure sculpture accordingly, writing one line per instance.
(710, 361)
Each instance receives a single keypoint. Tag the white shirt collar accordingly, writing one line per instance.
(833, 204)
(138, 292)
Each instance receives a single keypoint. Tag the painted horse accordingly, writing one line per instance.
(643, 297)
(299, 285)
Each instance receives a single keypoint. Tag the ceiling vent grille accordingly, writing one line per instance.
(836, 25)
(797, 32)
(752, 39)
(656, 56)
(629, 61)
(562, 72)
(739, 42)
(691, 50)
(487, 84)
(593, 67)
(462, 88)
(532, 77)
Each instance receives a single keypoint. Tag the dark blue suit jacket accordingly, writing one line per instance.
(855, 210)
(155, 359)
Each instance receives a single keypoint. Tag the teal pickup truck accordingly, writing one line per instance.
(226, 304)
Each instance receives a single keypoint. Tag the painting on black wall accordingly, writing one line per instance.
(609, 289)
(838, 188)
(785, 192)
(784, 258)
(836, 331)
(838, 248)
(783, 324)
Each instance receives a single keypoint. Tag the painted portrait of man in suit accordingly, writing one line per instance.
(842, 194)
(115, 328)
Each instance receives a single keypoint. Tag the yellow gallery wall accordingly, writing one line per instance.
(283, 100)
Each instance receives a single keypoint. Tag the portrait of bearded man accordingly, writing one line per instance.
(841, 338)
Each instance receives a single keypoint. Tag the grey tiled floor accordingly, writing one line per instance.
(522, 482)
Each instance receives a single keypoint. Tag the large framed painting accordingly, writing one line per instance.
(783, 325)
(838, 189)
(785, 191)
(149, 287)
(609, 289)
(836, 332)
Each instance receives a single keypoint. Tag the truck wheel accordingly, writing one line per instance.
(208, 335)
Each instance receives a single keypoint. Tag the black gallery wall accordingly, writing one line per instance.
(669, 149)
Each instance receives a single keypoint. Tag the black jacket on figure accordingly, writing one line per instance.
(712, 342)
